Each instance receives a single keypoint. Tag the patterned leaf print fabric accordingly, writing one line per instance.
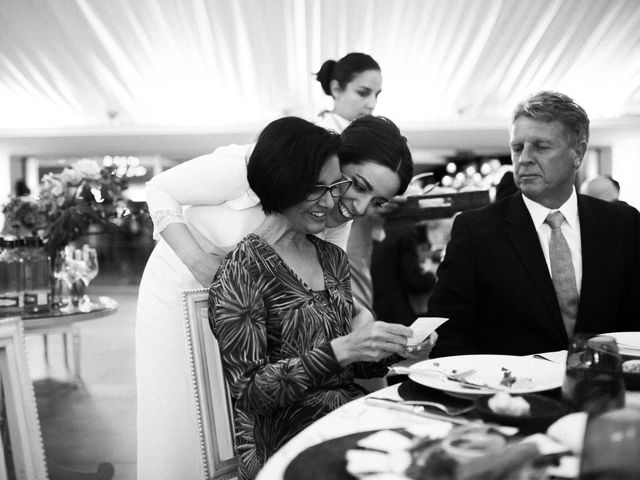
(274, 335)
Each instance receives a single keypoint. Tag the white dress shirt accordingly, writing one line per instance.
(331, 121)
(570, 229)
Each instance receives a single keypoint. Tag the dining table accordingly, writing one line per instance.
(362, 416)
(65, 322)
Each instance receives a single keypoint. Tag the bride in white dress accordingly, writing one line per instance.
(201, 209)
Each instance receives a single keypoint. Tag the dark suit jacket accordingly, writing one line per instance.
(495, 287)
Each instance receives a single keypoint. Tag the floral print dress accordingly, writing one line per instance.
(274, 335)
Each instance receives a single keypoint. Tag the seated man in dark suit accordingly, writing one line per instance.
(520, 278)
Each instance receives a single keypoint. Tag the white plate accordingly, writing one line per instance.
(532, 374)
(630, 342)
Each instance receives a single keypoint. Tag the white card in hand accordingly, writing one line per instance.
(423, 327)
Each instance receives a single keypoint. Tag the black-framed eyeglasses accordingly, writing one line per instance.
(335, 189)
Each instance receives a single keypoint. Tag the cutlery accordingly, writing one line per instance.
(453, 411)
(402, 370)
(460, 378)
(542, 357)
(419, 411)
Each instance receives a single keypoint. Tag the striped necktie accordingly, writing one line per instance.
(562, 272)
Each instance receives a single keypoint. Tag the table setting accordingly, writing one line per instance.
(47, 267)
(484, 417)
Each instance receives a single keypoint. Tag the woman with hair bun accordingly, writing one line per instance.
(354, 82)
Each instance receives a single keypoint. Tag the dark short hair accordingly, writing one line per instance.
(286, 161)
(377, 139)
(344, 70)
(556, 107)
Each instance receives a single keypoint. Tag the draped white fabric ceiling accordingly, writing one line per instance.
(194, 63)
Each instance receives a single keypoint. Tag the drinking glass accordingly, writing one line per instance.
(593, 379)
(67, 269)
(59, 297)
(611, 447)
(88, 271)
(90, 258)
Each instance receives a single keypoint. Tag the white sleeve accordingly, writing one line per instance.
(209, 179)
(338, 236)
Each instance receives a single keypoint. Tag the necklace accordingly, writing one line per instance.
(272, 229)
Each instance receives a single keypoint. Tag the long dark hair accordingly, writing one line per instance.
(377, 139)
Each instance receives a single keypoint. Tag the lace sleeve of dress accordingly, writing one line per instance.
(162, 218)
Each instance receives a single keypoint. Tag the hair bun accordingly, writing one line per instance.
(324, 75)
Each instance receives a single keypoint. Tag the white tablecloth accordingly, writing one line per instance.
(354, 417)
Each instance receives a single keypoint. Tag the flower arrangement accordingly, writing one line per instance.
(68, 202)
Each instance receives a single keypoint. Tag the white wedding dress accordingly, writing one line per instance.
(194, 192)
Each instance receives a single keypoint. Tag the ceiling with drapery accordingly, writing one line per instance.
(193, 63)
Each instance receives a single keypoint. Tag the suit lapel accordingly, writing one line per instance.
(522, 234)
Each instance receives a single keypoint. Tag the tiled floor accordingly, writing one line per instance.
(95, 422)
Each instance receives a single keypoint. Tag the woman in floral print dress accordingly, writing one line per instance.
(280, 304)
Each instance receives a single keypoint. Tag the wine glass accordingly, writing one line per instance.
(593, 379)
(59, 298)
(612, 446)
(90, 258)
(88, 272)
(67, 268)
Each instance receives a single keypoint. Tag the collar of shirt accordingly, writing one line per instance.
(569, 209)
(332, 121)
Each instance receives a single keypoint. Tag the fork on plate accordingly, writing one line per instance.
(454, 377)
(460, 377)
(402, 370)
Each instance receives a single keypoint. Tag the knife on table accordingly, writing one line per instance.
(420, 411)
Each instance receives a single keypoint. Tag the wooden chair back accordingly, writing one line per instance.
(21, 449)
(210, 392)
